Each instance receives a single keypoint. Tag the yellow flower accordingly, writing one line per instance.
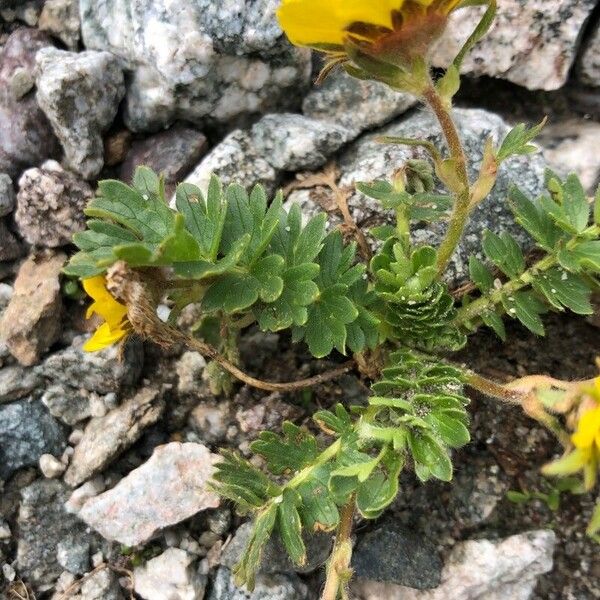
(395, 32)
(585, 455)
(115, 326)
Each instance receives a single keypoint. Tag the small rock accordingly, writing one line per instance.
(102, 585)
(570, 147)
(26, 138)
(173, 153)
(268, 587)
(533, 44)
(7, 195)
(16, 382)
(477, 569)
(4, 530)
(83, 493)
(69, 405)
(43, 527)
(61, 19)
(102, 372)
(293, 142)
(189, 371)
(170, 575)
(50, 205)
(9, 572)
(50, 466)
(26, 432)
(397, 555)
(211, 420)
(170, 487)
(354, 104)
(275, 559)
(80, 95)
(235, 160)
(116, 147)
(32, 321)
(219, 520)
(106, 437)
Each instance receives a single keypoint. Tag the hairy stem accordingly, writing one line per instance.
(338, 566)
(490, 300)
(522, 392)
(462, 208)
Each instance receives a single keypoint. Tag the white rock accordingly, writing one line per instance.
(234, 160)
(571, 147)
(532, 43)
(51, 467)
(588, 68)
(80, 95)
(291, 142)
(8, 572)
(197, 61)
(4, 531)
(172, 575)
(189, 370)
(480, 569)
(83, 493)
(170, 487)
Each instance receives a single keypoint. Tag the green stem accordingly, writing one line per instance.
(489, 301)
(338, 566)
(462, 209)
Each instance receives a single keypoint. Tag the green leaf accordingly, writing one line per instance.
(451, 430)
(563, 289)
(240, 481)
(504, 252)
(597, 207)
(317, 509)
(527, 309)
(290, 308)
(204, 219)
(480, 274)
(245, 571)
(293, 451)
(381, 488)
(575, 204)
(518, 139)
(518, 497)
(534, 220)
(585, 255)
(335, 423)
(494, 322)
(146, 215)
(449, 84)
(290, 526)
(427, 451)
(333, 309)
(237, 291)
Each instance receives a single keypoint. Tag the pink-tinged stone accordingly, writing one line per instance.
(167, 489)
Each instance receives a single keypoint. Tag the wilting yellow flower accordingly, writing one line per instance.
(391, 31)
(585, 455)
(115, 326)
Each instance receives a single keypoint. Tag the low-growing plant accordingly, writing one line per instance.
(247, 261)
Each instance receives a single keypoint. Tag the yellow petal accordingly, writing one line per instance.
(587, 429)
(112, 311)
(104, 337)
(324, 22)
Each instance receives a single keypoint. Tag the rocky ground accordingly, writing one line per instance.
(104, 461)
